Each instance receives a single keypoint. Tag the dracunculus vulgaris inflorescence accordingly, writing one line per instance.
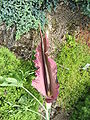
(46, 74)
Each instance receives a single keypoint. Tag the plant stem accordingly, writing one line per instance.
(48, 106)
(34, 98)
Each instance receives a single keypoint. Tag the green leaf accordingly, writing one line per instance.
(10, 82)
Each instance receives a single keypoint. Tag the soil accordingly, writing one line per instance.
(59, 114)
(61, 21)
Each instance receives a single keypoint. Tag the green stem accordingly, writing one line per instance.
(34, 98)
(48, 106)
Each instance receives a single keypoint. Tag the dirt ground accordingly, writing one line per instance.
(63, 21)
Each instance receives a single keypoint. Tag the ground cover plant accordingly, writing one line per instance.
(82, 108)
(72, 74)
(14, 101)
(25, 14)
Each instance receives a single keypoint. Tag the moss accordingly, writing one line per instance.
(74, 81)
(82, 109)
(13, 100)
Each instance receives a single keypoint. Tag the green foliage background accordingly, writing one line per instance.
(82, 109)
(74, 81)
(15, 101)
